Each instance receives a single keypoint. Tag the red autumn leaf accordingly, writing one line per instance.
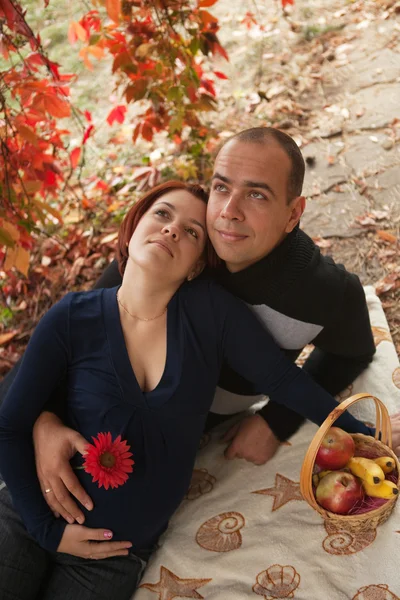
(4, 47)
(285, 2)
(220, 75)
(87, 115)
(206, 3)
(101, 185)
(207, 84)
(57, 107)
(216, 47)
(249, 20)
(113, 8)
(72, 35)
(27, 134)
(207, 18)
(145, 130)
(15, 18)
(87, 133)
(77, 32)
(191, 92)
(50, 178)
(117, 114)
(74, 157)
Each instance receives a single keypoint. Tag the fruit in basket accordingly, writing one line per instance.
(338, 492)
(386, 463)
(385, 489)
(318, 476)
(366, 469)
(335, 450)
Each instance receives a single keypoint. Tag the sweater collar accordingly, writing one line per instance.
(273, 273)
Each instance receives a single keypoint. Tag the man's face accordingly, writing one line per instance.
(248, 213)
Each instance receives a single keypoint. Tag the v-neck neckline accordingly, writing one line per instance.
(120, 357)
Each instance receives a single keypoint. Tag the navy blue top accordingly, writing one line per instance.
(81, 337)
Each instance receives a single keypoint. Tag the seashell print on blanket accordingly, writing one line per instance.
(221, 533)
(277, 582)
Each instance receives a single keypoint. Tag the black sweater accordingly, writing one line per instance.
(304, 298)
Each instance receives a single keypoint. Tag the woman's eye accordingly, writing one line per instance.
(192, 232)
(161, 212)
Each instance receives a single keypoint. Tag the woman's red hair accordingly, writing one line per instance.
(137, 211)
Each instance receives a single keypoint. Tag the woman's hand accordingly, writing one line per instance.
(55, 445)
(91, 543)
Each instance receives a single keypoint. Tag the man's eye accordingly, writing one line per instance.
(220, 187)
(257, 195)
(192, 232)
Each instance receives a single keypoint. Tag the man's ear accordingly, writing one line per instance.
(197, 269)
(296, 208)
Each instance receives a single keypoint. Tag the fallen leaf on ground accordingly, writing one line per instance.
(7, 337)
(390, 282)
(321, 242)
(388, 237)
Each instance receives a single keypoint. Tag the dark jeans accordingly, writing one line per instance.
(27, 572)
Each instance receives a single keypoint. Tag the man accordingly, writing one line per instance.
(301, 297)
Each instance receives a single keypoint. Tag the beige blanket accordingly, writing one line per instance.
(245, 532)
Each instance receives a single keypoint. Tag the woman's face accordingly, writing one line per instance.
(170, 237)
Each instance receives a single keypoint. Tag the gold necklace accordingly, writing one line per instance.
(139, 318)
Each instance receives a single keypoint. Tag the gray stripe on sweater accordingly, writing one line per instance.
(289, 333)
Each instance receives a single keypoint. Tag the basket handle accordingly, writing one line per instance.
(383, 431)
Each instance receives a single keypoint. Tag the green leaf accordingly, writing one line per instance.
(175, 124)
(174, 94)
(6, 239)
(194, 46)
(94, 38)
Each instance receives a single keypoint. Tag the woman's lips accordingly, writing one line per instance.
(163, 245)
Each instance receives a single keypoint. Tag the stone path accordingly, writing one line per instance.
(346, 83)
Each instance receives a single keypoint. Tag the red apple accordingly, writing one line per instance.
(336, 449)
(339, 491)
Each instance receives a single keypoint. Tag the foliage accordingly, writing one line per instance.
(158, 52)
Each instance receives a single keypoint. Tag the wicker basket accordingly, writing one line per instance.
(364, 445)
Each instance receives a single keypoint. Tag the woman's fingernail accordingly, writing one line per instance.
(88, 506)
(70, 520)
(108, 535)
(128, 545)
(80, 520)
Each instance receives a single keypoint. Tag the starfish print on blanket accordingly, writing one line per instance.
(171, 586)
(284, 490)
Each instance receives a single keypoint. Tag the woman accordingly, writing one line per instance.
(142, 362)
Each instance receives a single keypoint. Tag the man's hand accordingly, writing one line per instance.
(55, 445)
(395, 423)
(91, 543)
(251, 439)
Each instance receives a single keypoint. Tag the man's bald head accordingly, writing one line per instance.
(265, 135)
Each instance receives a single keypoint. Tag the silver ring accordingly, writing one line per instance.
(48, 491)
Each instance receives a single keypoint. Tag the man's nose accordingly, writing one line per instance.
(232, 210)
(172, 231)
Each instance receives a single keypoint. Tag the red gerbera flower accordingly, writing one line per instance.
(108, 461)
